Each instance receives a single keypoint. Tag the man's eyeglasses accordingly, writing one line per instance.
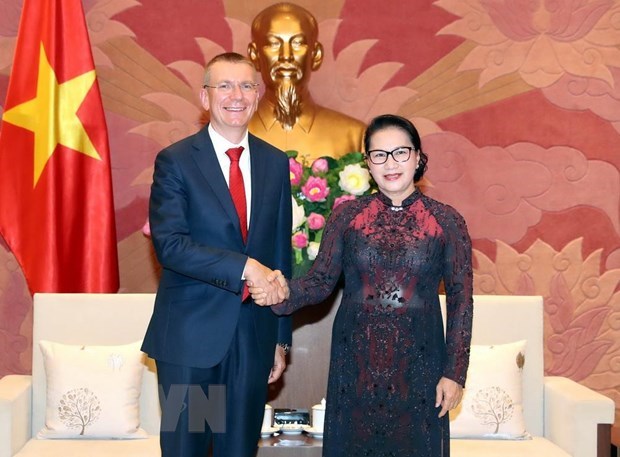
(227, 87)
(400, 154)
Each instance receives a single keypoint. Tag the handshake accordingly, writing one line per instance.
(268, 287)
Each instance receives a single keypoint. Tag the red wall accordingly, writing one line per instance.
(519, 113)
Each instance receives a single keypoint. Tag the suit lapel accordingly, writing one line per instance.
(259, 175)
(206, 160)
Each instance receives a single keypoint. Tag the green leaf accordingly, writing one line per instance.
(292, 154)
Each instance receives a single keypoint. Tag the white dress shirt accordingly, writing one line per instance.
(221, 145)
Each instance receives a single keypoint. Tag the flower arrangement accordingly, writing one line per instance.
(317, 189)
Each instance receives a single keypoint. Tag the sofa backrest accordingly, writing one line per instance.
(92, 319)
(502, 319)
(111, 319)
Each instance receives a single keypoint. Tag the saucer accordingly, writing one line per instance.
(293, 429)
(267, 432)
(314, 433)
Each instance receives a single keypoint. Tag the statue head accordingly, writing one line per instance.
(285, 50)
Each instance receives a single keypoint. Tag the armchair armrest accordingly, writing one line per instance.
(15, 413)
(572, 415)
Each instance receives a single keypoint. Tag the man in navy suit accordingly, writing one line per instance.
(210, 240)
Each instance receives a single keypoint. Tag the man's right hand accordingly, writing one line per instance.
(269, 285)
(263, 298)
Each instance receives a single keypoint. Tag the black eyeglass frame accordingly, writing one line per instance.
(409, 149)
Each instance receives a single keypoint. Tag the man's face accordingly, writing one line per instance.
(230, 106)
(286, 50)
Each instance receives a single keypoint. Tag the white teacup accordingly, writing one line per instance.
(318, 416)
(267, 418)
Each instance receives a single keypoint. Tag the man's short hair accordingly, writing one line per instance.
(230, 57)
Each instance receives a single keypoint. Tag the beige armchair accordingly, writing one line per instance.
(565, 418)
(85, 319)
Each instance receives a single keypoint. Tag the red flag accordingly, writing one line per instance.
(56, 206)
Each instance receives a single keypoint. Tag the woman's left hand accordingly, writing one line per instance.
(449, 394)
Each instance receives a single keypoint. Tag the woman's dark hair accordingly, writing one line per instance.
(386, 121)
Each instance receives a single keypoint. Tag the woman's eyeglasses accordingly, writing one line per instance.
(400, 154)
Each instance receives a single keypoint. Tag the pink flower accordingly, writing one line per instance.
(342, 199)
(315, 189)
(300, 240)
(146, 229)
(320, 166)
(316, 221)
(296, 171)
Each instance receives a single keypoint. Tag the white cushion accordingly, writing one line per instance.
(492, 405)
(92, 391)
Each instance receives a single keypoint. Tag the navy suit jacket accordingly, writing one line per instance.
(197, 240)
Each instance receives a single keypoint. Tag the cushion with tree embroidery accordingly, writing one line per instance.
(92, 391)
(492, 404)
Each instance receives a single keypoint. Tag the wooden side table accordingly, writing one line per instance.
(615, 441)
(290, 446)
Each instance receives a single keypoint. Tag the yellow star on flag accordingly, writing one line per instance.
(52, 115)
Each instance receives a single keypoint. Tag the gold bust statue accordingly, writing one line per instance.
(285, 50)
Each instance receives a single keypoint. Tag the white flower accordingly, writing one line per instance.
(299, 217)
(313, 249)
(354, 179)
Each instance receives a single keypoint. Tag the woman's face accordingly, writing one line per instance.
(394, 179)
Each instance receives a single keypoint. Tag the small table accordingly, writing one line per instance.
(282, 445)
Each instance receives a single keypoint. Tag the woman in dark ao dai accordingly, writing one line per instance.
(393, 376)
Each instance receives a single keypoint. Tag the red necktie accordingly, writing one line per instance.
(237, 189)
(237, 192)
